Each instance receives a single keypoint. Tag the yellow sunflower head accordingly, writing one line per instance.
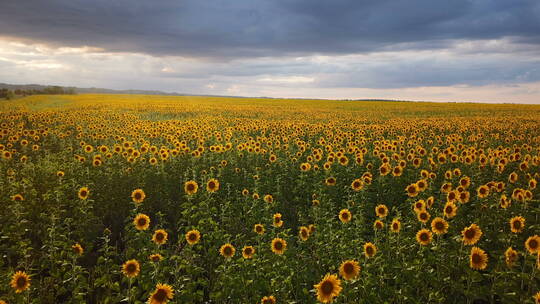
(381, 211)
(349, 269)
(345, 216)
(161, 294)
(155, 257)
(141, 221)
(20, 281)
(212, 185)
(357, 184)
(395, 226)
(138, 196)
(370, 249)
(131, 268)
(279, 246)
(191, 187)
(439, 226)
(478, 259)
(248, 252)
(83, 193)
(533, 244)
(423, 237)
(328, 288)
(471, 234)
(511, 256)
(160, 237)
(517, 224)
(193, 237)
(259, 229)
(268, 300)
(77, 249)
(227, 250)
(303, 233)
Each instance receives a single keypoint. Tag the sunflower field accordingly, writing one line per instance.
(161, 199)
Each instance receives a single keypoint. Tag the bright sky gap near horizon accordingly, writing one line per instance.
(462, 50)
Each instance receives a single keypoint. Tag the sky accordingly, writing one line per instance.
(459, 50)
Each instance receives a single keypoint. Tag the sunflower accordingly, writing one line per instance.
(212, 185)
(412, 190)
(191, 187)
(138, 196)
(160, 237)
(193, 237)
(162, 294)
(83, 193)
(423, 216)
(268, 300)
(349, 269)
(268, 198)
(422, 184)
(328, 288)
(331, 181)
(277, 220)
(370, 249)
(258, 228)
(227, 250)
(156, 257)
(419, 205)
(478, 259)
(378, 225)
(517, 224)
(439, 226)
(245, 192)
(248, 252)
(17, 198)
(381, 211)
(20, 281)
(345, 216)
(279, 246)
(450, 210)
(537, 298)
(131, 268)
(471, 234)
(511, 256)
(423, 237)
(533, 244)
(357, 184)
(395, 226)
(303, 233)
(60, 173)
(77, 249)
(482, 191)
(141, 221)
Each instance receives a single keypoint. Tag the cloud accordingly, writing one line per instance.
(255, 28)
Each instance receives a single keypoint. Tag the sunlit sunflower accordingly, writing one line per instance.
(303, 233)
(268, 198)
(279, 246)
(370, 249)
(423, 216)
(258, 228)
(439, 226)
(77, 249)
(345, 216)
(141, 221)
(156, 257)
(349, 269)
(357, 184)
(412, 190)
(277, 222)
(511, 256)
(227, 250)
(331, 181)
(191, 187)
(60, 173)
(378, 225)
(193, 237)
(138, 196)
(482, 191)
(20, 281)
(450, 210)
(17, 198)
(381, 211)
(471, 234)
(212, 185)
(328, 288)
(395, 226)
(478, 259)
(161, 295)
(131, 268)
(423, 237)
(268, 300)
(517, 224)
(248, 252)
(536, 298)
(533, 244)
(160, 237)
(83, 193)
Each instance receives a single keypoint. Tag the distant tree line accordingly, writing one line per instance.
(54, 90)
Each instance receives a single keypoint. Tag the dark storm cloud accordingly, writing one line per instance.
(251, 28)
